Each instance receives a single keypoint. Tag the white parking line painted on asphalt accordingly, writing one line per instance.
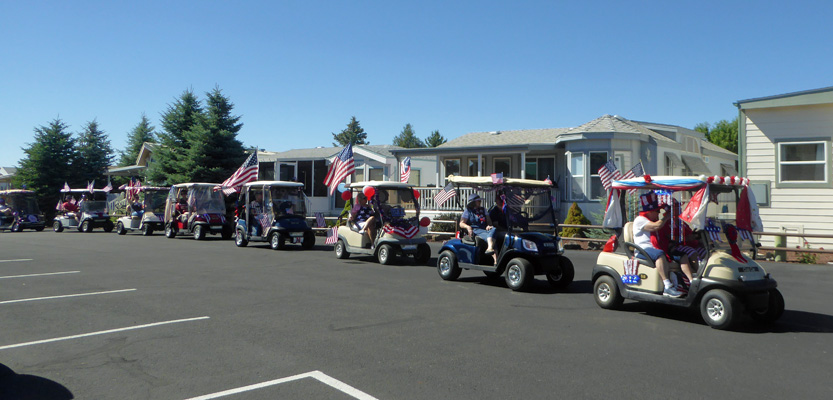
(317, 375)
(176, 321)
(48, 273)
(18, 260)
(65, 296)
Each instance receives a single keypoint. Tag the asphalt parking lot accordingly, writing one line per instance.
(102, 316)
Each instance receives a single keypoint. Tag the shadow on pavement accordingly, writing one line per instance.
(30, 387)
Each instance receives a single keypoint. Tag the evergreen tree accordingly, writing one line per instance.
(141, 133)
(574, 217)
(214, 152)
(353, 134)
(171, 157)
(94, 153)
(48, 164)
(407, 138)
(435, 139)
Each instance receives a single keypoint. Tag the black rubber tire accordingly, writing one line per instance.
(519, 274)
(86, 227)
(240, 239)
(309, 240)
(423, 253)
(147, 230)
(447, 266)
(564, 277)
(719, 309)
(774, 310)
(108, 226)
(57, 226)
(606, 293)
(120, 228)
(385, 254)
(199, 232)
(227, 233)
(341, 250)
(39, 229)
(170, 233)
(276, 241)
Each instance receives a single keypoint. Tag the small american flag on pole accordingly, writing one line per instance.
(332, 236)
(246, 173)
(608, 173)
(90, 185)
(66, 187)
(341, 167)
(446, 193)
(634, 172)
(109, 187)
(405, 170)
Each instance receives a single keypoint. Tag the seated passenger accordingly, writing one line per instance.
(475, 220)
(256, 209)
(496, 214)
(364, 217)
(136, 208)
(181, 209)
(5, 209)
(662, 239)
(647, 222)
(69, 205)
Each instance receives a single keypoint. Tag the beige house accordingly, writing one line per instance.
(784, 146)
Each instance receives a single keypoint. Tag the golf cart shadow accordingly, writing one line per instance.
(22, 386)
(399, 261)
(538, 286)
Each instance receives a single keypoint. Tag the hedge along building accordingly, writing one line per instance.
(573, 156)
(784, 146)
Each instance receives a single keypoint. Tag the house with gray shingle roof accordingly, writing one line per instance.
(571, 157)
(6, 175)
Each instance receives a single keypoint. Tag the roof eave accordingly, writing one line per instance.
(803, 98)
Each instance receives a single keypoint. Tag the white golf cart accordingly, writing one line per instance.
(92, 211)
(196, 209)
(274, 212)
(147, 213)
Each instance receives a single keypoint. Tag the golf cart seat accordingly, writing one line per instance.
(631, 249)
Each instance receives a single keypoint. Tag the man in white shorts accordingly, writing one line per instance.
(647, 222)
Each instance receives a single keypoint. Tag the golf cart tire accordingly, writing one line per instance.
(39, 228)
(86, 227)
(170, 233)
(423, 253)
(309, 240)
(108, 226)
(564, 277)
(385, 254)
(199, 232)
(120, 228)
(447, 266)
(276, 241)
(774, 310)
(341, 250)
(227, 233)
(519, 274)
(240, 239)
(147, 230)
(57, 226)
(606, 293)
(719, 309)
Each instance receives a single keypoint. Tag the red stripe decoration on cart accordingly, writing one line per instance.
(332, 236)
(407, 232)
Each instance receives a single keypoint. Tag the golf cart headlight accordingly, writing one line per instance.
(530, 245)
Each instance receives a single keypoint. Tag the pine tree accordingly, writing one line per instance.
(354, 134)
(48, 164)
(574, 217)
(214, 152)
(407, 138)
(94, 153)
(435, 139)
(141, 133)
(171, 163)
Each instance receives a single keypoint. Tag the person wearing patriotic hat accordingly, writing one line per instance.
(475, 220)
(649, 221)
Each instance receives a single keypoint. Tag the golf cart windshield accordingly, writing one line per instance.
(94, 206)
(155, 200)
(23, 203)
(288, 201)
(205, 200)
(526, 201)
(395, 203)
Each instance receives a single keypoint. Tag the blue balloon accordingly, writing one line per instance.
(341, 187)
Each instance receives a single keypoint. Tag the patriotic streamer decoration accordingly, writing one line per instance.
(332, 236)
(407, 231)
(744, 234)
(698, 253)
(713, 231)
(631, 276)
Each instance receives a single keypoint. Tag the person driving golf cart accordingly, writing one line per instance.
(363, 216)
(475, 220)
(182, 207)
(69, 205)
(136, 207)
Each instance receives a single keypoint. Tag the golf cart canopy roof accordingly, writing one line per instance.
(648, 182)
(16, 191)
(382, 184)
(194, 184)
(274, 184)
(487, 181)
(83, 191)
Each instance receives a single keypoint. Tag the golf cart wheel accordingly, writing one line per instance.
(606, 293)
(385, 254)
(519, 274)
(199, 232)
(341, 250)
(170, 233)
(276, 241)
(423, 253)
(309, 240)
(774, 310)
(447, 266)
(108, 226)
(86, 227)
(39, 229)
(57, 226)
(719, 309)
(120, 228)
(240, 239)
(147, 230)
(16, 227)
(564, 275)
(227, 233)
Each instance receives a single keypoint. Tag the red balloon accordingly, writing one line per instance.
(346, 195)
(424, 221)
(416, 194)
(369, 191)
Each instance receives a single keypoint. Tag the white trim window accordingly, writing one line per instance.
(803, 162)
(452, 166)
(575, 162)
(597, 159)
(502, 164)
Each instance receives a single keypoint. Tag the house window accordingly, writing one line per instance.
(597, 159)
(413, 179)
(503, 164)
(452, 166)
(320, 170)
(376, 174)
(576, 163)
(472, 166)
(305, 176)
(540, 168)
(802, 162)
(531, 168)
(287, 172)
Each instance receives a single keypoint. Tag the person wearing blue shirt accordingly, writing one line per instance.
(478, 223)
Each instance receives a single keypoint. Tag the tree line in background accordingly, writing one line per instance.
(723, 133)
(354, 134)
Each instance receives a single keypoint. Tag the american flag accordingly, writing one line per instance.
(514, 201)
(548, 180)
(446, 193)
(66, 187)
(698, 253)
(263, 219)
(246, 173)
(407, 231)
(405, 169)
(497, 178)
(90, 185)
(109, 187)
(319, 220)
(713, 231)
(608, 173)
(634, 172)
(332, 236)
(341, 167)
(58, 207)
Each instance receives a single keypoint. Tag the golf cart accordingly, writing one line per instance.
(149, 217)
(196, 209)
(721, 214)
(274, 212)
(92, 211)
(24, 212)
(521, 254)
(397, 233)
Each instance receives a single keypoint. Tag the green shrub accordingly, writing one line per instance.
(575, 217)
(445, 227)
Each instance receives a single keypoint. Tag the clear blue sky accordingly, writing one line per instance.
(298, 70)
